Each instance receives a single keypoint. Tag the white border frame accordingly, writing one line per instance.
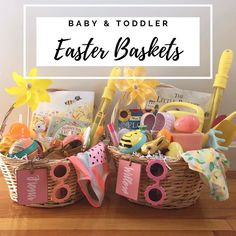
(210, 6)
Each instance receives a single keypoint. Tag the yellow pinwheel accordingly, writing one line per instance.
(140, 90)
(30, 91)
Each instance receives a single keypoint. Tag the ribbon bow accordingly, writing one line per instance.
(139, 90)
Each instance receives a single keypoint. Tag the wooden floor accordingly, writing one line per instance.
(119, 217)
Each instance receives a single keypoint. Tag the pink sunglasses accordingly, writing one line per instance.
(155, 194)
(61, 191)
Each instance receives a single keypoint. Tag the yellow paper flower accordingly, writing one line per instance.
(141, 90)
(30, 91)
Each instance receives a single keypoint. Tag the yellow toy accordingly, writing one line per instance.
(153, 146)
(30, 91)
(108, 93)
(6, 143)
(134, 89)
(219, 85)
(174, 150)
(132, 141)
(198, 111)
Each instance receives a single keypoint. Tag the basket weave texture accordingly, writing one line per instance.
(182, 185)
(9, 166)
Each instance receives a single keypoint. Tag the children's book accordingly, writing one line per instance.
(130, 119)
(75, 105)
(166, 95)
(61, 127)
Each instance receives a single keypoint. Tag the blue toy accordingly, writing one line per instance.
(213, 140)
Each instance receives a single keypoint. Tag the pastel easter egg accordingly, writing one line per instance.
(187, 124)
(175, 149)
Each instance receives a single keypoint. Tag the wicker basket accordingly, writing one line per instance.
(182, 185)
(9, 166)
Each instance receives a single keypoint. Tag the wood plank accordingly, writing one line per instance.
(112, 224)
(118, 207)
(224, 233)
(107, 233)
(232, 223)
(129, 210)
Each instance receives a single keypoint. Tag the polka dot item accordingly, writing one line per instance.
(92, 170)
(97, 154)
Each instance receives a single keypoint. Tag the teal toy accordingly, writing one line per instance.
(133, 140)
(213, 140)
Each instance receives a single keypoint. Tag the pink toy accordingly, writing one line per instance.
(71, 138)
(187, 124)
(189, 141)
(162, 120)
(155, 194)
(113, 134)
(148, 119)
(61, 191)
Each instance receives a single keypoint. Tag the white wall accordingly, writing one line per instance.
(11, 54)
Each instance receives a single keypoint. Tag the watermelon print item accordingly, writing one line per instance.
(211, 165)
(92, 170)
